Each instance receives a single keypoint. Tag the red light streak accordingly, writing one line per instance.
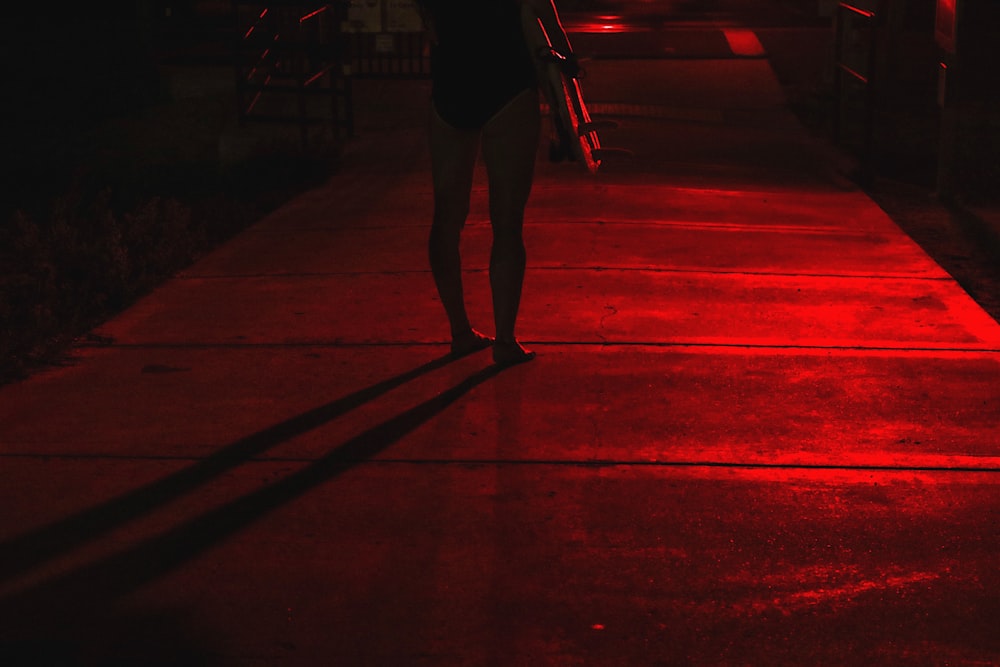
(256, 98)
(608, 24)
(250, 30)
(601, 27)
(263, 57)
(312, 14)
(316, 77)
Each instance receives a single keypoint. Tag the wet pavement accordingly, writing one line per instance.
(763, 426)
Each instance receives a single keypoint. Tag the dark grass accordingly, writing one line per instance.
(73, 256)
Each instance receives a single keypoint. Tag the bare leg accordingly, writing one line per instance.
(453, 158)
(510, 144)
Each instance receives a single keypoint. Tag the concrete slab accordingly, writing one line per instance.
(756, 247)
(728, 118)
(691, 43)
(708, 84)
(514, 564)
(578, 197)
(221, 408)
(753, 156)
(811, 207)
(770, 310)
(570, 306)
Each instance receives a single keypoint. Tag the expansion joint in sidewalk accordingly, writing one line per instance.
(989, 465)
(665, 345)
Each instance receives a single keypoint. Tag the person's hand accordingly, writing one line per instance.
(570, 65)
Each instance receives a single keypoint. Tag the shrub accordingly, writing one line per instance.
(61, 274)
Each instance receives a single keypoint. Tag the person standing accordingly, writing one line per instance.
(484, 97)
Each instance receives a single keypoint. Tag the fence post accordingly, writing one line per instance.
(848, 70)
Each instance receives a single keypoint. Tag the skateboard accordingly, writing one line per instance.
(575, 131)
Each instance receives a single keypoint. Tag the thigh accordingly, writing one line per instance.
(510, 147)
(453, 160)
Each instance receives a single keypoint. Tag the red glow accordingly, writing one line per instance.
(610, 23)
(312, 14)
(944, 24)
(250, 30)
(601, 27)
(744, 43)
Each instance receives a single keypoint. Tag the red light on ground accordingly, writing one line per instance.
(607, 27)
(944, 24)
(744, 43)
(609, 23)
(606, 24)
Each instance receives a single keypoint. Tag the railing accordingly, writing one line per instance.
(296, 59)
(387, 55)
(855, 51)
(288, 65)
(382, 40)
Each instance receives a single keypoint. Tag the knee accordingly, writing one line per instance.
(507, 220)
(508, 243)
(508, 202)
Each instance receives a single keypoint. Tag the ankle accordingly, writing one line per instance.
(507, 353)
(462, 332)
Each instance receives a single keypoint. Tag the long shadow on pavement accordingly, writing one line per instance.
(30, 550)
(86, 596)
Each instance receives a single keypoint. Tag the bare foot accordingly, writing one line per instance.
(470, 342)
(509, 353)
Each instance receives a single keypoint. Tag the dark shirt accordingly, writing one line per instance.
(481, 61)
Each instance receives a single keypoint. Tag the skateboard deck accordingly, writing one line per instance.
(576, 132)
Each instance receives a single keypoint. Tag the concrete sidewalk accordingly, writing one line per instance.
(762, 427)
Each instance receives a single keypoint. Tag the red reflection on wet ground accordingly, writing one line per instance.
(608, 24)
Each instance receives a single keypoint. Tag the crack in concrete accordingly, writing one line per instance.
(604, 317)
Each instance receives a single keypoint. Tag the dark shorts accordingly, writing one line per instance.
(477, 71)
(467, 110)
